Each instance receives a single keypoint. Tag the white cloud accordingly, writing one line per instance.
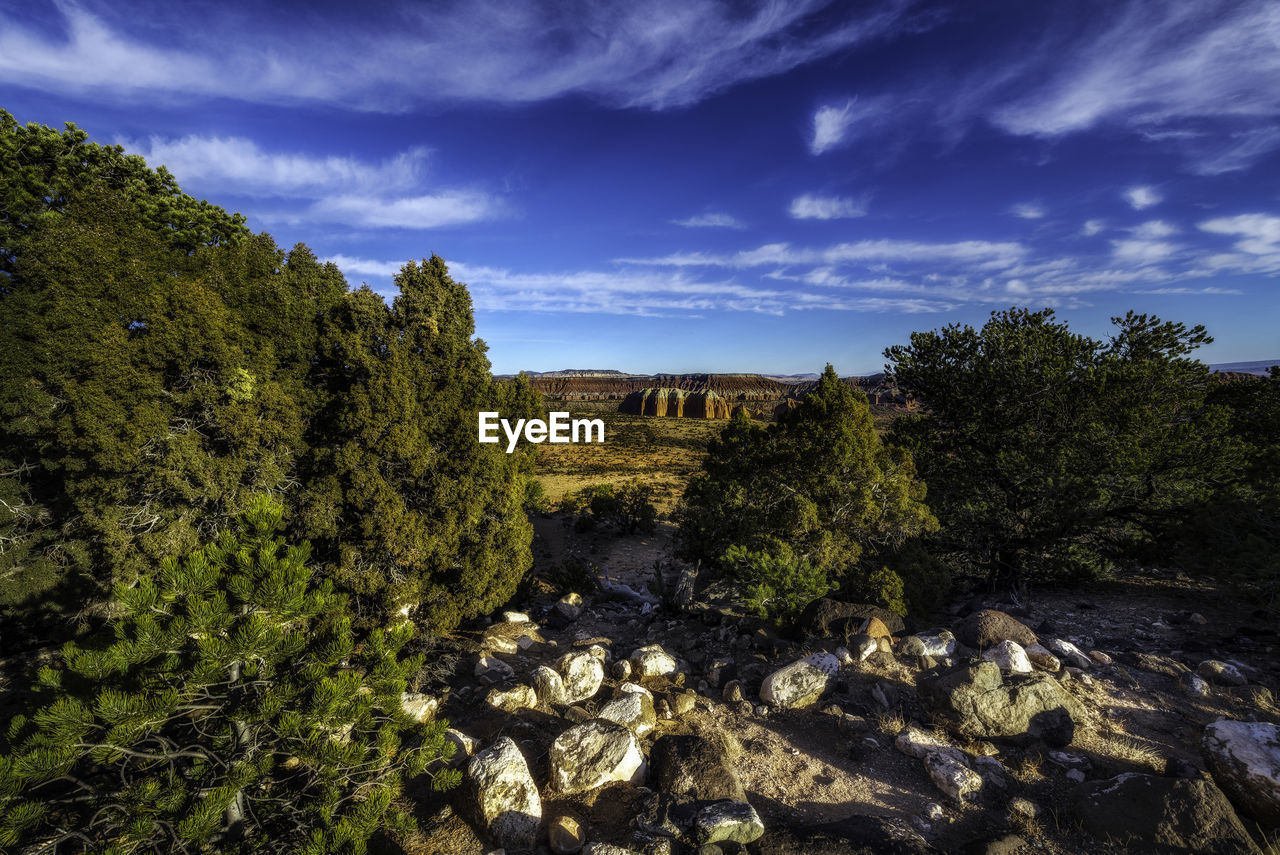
(321, 188)
(1142, 252)
(1028, 210)
(428, 211)
(1155, 62)
(1153, 230)
(1092, 227)
(1259, 233)
(668, 53)
(1142, 197)
(811, 207)
(715, 221)
(239, 165)
(982, 254)
(368, 266)
(835, 126)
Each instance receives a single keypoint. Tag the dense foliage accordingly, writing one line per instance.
(229, 710)
(814, 499)
(1049, 454)
(162, 366)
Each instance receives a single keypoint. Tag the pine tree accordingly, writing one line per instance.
(406, 505)
(231, 711)
(813, 497)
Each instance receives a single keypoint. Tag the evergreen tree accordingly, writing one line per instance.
(1051, 454)
(814, 496)
(147, 393)
(407, 505)
(231, 711)
(43, 170)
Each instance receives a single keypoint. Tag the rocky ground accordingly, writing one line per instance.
(1137, 717)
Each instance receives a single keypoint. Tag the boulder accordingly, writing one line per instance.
(652, 661)
(1069, 653)
(583, 673)
(828, 618)
(1010, 656)
(1145, 813)
(632, 710)
(941, 643)
(464, 747)
(513, 699)
(499, 795)
(1244, 758)
(802, 683)
(983, 705)
(1042, 657)
(988, 627)
(694, 766)
(1221, 673)
(548, 685)
(732, 822)
(593, 754)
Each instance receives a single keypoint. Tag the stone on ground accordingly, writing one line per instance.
(632, 710)
(694, 766)
(983, 705)
(500, 796)
(652, 661)
(733, 822)
(802, 683)
(595, 753)
(1244, 758)
(582, 673)
(988, 627)
(1010, 656)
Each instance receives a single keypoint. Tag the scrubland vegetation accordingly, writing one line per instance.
(253, 495)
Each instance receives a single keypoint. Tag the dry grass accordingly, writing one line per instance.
(660, 452)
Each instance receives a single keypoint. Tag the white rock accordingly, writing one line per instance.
(918, 743)
(600, 653)
(632, 710)
(1244, 758)
(593, 754)
(735, 822)
(548, 686)
(418, 706)
(866, 646)
(652, 661)
(515, 617)
(951, 775)
(501, 797)
(801, 683)
(632, 687)
(1069, 653)
(845, 657)
(605, 849)
(463, 746)
(1043, 658)
(582, 674)
(1010, 656)
(1195, 685)
(622, 669)
(513, 699)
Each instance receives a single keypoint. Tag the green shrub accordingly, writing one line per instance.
(231, 711)
(814, 499)
(777, 587)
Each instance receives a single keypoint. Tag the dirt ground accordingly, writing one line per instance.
(804, 768)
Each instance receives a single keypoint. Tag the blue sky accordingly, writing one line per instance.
(683, 185)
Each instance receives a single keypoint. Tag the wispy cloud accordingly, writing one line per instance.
(321, 188)
(811, 207)
(837, 125)
(1201, 78)
(1092, 227)
(1142, 197)
(239, 165)
(391, 56)
(1139, 252)
(1028, 210)
(1259, 233)
(711, 221)
(1153, 230)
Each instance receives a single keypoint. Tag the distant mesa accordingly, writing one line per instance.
(676, 403)
(1258, 368)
